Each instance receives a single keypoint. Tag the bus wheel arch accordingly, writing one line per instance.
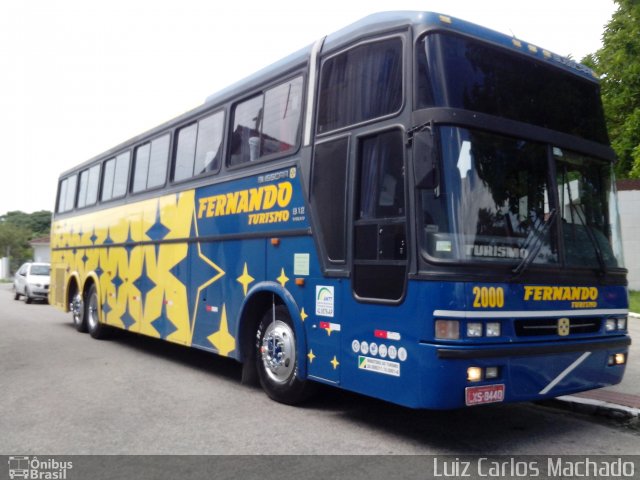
(256, 330)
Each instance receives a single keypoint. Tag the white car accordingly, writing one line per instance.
(32, 281)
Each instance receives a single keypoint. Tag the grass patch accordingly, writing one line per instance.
(634, 301)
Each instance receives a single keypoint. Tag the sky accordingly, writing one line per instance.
(78, 77)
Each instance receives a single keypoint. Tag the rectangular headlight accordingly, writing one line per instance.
(621, 323)
(493, 329)
(448, 329)
(474, 374)
(610, 325)
(474, 329)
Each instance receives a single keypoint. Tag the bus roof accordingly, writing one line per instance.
(375, 24)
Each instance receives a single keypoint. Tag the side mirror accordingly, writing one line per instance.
(425, 160)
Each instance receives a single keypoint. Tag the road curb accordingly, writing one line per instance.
(600, 406)
(634, 315)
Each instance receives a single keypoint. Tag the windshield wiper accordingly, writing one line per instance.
(592, 239)
(536, 237)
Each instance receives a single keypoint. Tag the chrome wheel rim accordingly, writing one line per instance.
(92, 317)
(278, 351)
(76, 309)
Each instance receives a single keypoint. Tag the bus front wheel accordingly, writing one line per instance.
(276, 358)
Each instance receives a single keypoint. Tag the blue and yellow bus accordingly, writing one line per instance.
(414, 208)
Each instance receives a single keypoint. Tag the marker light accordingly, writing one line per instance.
(622, 323)
(491, 372)
(610, 324)
(474, 329)
(474, 374)
(448, 329)
(493, 329)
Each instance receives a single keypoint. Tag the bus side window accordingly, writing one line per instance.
(151, 164)
(266, 124)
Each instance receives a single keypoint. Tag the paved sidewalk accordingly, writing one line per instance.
(624, 397)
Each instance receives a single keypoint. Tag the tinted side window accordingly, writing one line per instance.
(141, 167)
(121, 176)
(71, 193)
(267, 123)
(158, 162)
(107, 180)
(62, 194)
(328, 195)
(209, 146)
(151, 164)
(199, 147)
(92, 185)
(360, 84)
(82, 193)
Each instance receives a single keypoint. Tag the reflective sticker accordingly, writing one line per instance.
(402, 354)
(393, 353)
(212, 308)
(301, 264)
(379, 366)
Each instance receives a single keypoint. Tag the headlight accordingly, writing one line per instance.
(621, 323)
(474, 329)
(493, 329)
(610, 324)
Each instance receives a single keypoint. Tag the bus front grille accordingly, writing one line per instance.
(550, 326)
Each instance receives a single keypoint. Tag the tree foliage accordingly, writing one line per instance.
(16, 229)
(618, 63)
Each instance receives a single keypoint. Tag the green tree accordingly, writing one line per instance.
(14, 243)
(618, 63)
(38, 223)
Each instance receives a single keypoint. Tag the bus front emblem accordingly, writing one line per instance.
(564, 327)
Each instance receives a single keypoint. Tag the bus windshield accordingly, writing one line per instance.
(458, 72)
(496, 203)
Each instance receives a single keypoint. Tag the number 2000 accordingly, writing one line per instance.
(488, 297)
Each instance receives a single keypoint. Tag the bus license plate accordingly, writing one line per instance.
(484, 394)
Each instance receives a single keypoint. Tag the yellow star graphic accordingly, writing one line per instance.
(303, 315)
(335, 362)
(222, 339)
(245, 279)
(311, 356)
(282, 279)
(328, 329)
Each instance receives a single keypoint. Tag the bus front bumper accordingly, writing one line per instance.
(458, 376)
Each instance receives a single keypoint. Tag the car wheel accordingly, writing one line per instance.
(27, 295)
(16, 295)
(96, 329)
(276, 358)
(78, 313)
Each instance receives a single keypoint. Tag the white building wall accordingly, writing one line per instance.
(630, 223)
(4, 268)
(41, 253)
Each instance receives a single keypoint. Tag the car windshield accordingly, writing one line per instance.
(40, 269)
(495, 202)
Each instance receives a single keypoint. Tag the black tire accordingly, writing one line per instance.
(97, 330)
(276, 359)
(27, 296)
(16, 295)
(78, 313)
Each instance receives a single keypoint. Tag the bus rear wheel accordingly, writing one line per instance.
(276, 358)
(96, 329)
(78, 313)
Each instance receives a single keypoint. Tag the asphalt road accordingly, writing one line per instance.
(61, 393)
